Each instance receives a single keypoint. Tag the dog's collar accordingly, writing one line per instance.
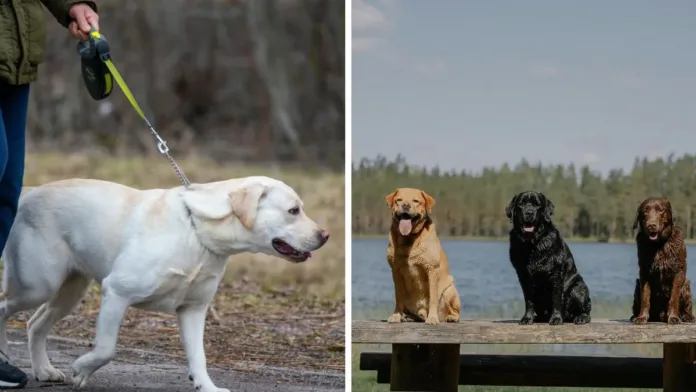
(191, 219)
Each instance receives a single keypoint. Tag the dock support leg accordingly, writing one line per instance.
(425, 367)
(677, 367)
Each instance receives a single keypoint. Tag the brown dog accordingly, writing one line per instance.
(423, 285)
(662, 291)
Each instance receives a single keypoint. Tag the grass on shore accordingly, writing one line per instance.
(273, 313)
(365, 381)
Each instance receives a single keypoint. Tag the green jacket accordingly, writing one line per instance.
(23, 35)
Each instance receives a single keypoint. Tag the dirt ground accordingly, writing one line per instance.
(136, 370)
(265, 341)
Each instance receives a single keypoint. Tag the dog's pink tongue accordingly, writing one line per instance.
(405, 226)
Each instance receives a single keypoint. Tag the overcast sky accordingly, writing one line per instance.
(468, 84)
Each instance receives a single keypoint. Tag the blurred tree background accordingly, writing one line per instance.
(588, 205)
(231, 80)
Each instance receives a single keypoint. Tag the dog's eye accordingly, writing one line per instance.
(294, 210)
(415, 201)
(399, 200)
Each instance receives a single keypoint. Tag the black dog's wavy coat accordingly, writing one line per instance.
(553, 290)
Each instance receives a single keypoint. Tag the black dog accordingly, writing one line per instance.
(553, 290)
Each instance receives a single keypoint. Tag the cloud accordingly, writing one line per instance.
(545, 71)
(633, 81)
(370, 23)
(589, 158)
(363, 44)
(430, 68)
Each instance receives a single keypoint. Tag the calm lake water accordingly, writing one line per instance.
(486, 281)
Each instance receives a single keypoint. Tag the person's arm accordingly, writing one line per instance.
(60, 9)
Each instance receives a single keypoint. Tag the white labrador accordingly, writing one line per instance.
(160, 249)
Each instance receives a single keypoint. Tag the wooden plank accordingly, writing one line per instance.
(541, 370)
(678, 360)
(425, 367)
(509, 331)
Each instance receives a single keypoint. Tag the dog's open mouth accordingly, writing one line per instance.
(653, 235)
(405, 223)
(289, 251)
(528, 228)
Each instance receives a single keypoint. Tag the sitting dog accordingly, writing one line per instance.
(160, 249)
(423, 285)
(662, 291)
(553, 290)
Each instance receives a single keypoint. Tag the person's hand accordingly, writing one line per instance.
(84, 18)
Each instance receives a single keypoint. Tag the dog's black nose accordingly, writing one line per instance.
(324, 236)
(651, 227)
(406, 206)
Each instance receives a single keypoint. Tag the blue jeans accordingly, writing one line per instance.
(14, 101)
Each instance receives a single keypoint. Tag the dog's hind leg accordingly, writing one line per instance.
(635, 310)
(65, 300)
(17, 301)
(451, 306)
(686, 312)
(578, 304)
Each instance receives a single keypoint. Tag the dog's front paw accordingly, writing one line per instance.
(212, 388)
(527, 319)
(432, 320)
(640, 320)
(673, 320)
(48, 373)
(556, 319)
(688, 318)
(582, 319)
(394, 318)
(80, 377)
(452, 318)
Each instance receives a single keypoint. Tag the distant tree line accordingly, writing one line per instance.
(588, 205)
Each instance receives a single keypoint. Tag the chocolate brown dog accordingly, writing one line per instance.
(423, 286)
(662, 291)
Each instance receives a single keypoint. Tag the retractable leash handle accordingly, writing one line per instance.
(95, 72)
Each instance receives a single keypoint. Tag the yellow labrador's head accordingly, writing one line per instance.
(410, 208)
(256, 214)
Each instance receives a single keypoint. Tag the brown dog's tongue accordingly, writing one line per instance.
(405, 226)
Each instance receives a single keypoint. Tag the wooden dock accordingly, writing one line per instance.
(427, 357)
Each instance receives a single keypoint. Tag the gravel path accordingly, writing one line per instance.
(138, 371)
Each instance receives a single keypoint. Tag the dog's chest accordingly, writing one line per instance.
(662, 270)
(193, 286)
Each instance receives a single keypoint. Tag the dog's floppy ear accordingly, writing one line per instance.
(390, 198)
(429, 201)
(245, 202)
(639, 212)
(207, 204)
(548, 207)
(510, 209)
(670, 214)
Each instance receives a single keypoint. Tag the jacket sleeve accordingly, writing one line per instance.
(61, 8)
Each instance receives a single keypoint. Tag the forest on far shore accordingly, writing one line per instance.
(588, 205)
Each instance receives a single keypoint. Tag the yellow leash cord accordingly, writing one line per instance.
(161, 144)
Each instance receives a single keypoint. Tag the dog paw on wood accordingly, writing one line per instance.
(394, 318)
